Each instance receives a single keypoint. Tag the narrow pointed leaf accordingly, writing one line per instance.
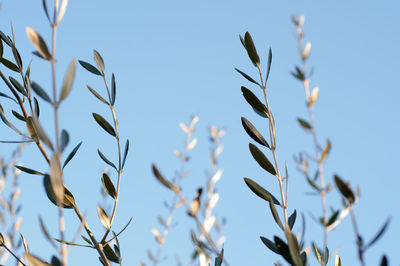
(384, 261)
(56, 179)
(104, 158)
(269, 64)
(261, 159)
(46, 10)
(338, 261)
(275, 214)
(304, 124)
(41, 133)
(18, 116)
(63, 8)
(110, 254)
(269, 244)
(6, 96)
(40, 92)
(113, 89)
(292, 219)
(317, 253)
(17, 57)
(379, 234)
(109, 186)
(260, 191)
(64, 139)
(46, 232)
(99, 61)
(251, 49)
(10, 65)
(28, 170)
(125, 152)
(333, 218)
(104, 124)
(247, 77)
(36, 107)
(253, 132)
(72, 154)
(98, 96)
(6, 39)
(1, 48)
(294, 248)
(162, 180)
(344, 189)
(87, 240)
(38, 43)
(103, 216)
(68, 80)
(90, 67)
(254, 102)
(31, 129)
(18, 86)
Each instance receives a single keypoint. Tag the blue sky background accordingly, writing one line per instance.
(176, 58)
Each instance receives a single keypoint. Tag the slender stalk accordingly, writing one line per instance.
(358, 236)
(12, 253)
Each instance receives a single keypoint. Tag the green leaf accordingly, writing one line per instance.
(110, 254)
(344, 189)
(275, 214)
(56, 179)
(219, 259)
(41, 133)
(31, 129)
(17, 57)
(253, 132)
(312, 184)
(269, 244)
(90, 67)
(283, 249)
(269, 64)
(109, 186)
(384, 261)
(164, 181)
(247, 77)
(28, 170)
(64, 139)
(254, 102)
(55, 261)
(299, 74)
(36, 107)
(104, 158)
(38, 43)
(18, 86)
(6, 39)
(68, 201)
(261, 159)
(103, 216)
(292, 219)
(125, 153)
(6, 96)
(332, 219)
(251, 49)
(99, 61)
(10, 65)
(260, 191)
(304, 124)
(325, 151)
(104, 124)
(113, 89)
(61, 12)
(68, 80)
(18, 116)
(40, 92)
(72, 154)
(317, 253)
(1, 48)
(379, 234)
(87, 240)
(46, 10)
(294, 248)
(98, 96)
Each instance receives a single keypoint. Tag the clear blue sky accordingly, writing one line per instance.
(176, 58)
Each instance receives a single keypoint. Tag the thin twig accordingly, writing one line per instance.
(358, 236)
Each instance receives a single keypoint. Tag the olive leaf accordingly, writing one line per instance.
(113, 89)
(304, 124)
(253, 132)
(344, 189)
(269, 64)
(103, 216)
(260, 191)
(90, 67)
(292, 219)
(261, 159)
(254, 102)
(40, 92)
(109, 186)
(104, 124)
(99, 61)
(38, 43)
(247, 77)
(72, 154)
(56, 179)
(98, 96)
(68, 201)
(269, 244)
(104, 158)
(10, 65)
(64, 139)
(28, 170)
(68, 80)
(125, 153)
(164, 181)
(251, 49)
(18, 86)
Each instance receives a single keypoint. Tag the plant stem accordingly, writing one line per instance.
(15, 256)
(358, 236)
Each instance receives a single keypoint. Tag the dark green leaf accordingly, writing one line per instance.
(55, 261)
(6, 96)
(99, 61)
(6, 39)
(269, 244)
(275, 214)
(333, 218)
(68, 80)
(72, 154)
(17, 57)
(18, 116)
(379, 234)
(90, 68)
(87, 240)
(384, 261)
(110, 254)
(299, 74)
(344, 189)
(260, 191)
(269, 64)
(104, 158)
(253, 132)
(28, 170)
(312, 183)
(242, 41)
(247, 77)
(162, 180)
(1, 48)
(40, 92)
(46, 11)
(261, 159)
(292, 219)
(294, 248)
(113, 89)
(17, 85)
(68, 201)
(109, 186)
(10, 65)
(283, 249)
(104, 124)
(219, 259)
(39, 43)
(251, 49)
(98, 96)
(254, 102)
(317, 253)
(36, 107)
(125, 152)
(304, 124)
(64, 139)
